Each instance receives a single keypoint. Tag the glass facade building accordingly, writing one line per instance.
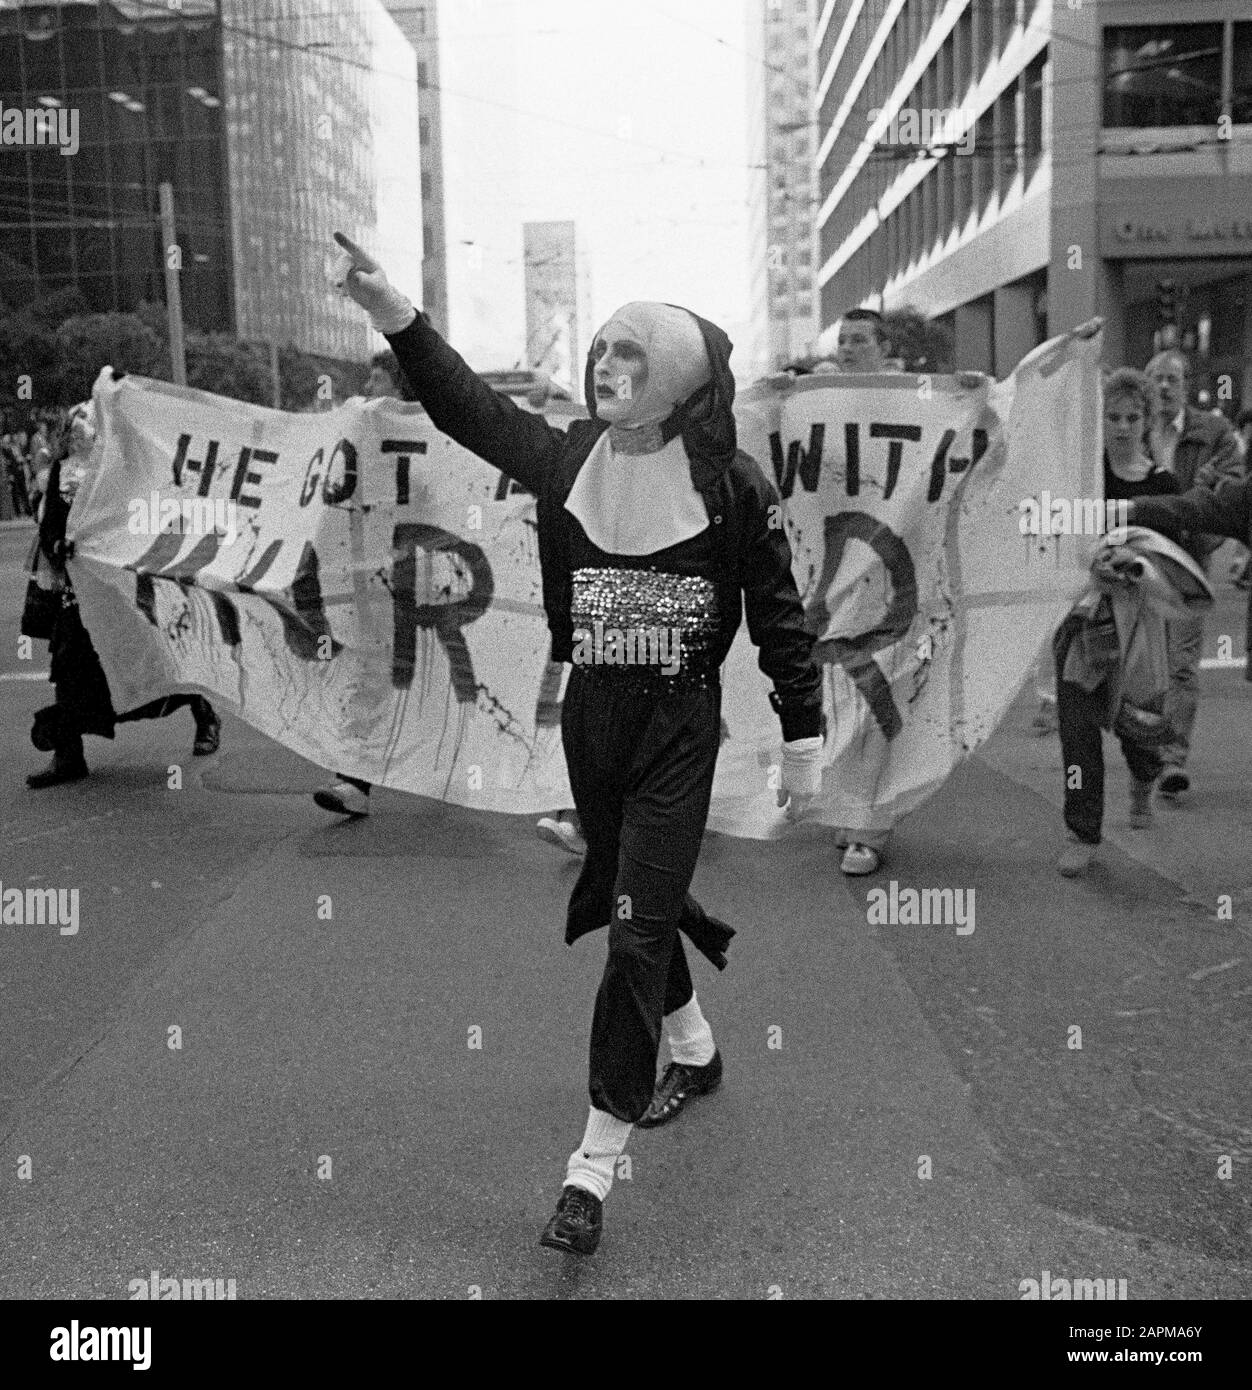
(321, 134)
(275, 122)
(147, 92)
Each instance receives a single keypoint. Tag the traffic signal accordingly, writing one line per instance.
(1167, 300)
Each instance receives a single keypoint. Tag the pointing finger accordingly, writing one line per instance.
(361, 260)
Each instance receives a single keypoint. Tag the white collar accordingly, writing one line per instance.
(637, 504)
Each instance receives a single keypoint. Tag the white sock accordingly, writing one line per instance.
(689, 1034)
(591, 1164)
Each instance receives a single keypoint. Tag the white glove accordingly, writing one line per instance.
(801, 775)
(359, 276)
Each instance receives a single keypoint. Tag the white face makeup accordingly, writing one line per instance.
(619, 374)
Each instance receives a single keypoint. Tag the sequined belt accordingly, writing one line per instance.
(645, 626)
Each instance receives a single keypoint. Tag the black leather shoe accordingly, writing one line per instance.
(1174, 783)
(575, 1227)
(678, 1087)
(208, 737)
(58, 770)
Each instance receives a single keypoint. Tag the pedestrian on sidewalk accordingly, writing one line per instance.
(1086, 646)
(1243, 430)
(13, 456)
(1197, 447)
(650, 519)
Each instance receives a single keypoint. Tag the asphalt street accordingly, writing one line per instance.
(904, 1115)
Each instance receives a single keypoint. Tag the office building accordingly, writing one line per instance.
(782, 184)
(419, 22)
(274, 123)
(1020, 167)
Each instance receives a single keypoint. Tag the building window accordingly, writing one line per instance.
(1032, 133)
(1241, 90)
(1162, 75)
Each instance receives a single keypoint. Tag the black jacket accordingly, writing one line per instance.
(755, 570)
(1222, 510)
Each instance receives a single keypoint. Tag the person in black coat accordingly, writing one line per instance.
(651, 521)
(83, 704)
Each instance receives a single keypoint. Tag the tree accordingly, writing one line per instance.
(219, 363)
(87, 342)
(922, 344)
(28, 364)
(52, 350)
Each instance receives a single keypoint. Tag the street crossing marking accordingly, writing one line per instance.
(24, 675)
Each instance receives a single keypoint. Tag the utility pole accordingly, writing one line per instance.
(172, 256)
(275, 376)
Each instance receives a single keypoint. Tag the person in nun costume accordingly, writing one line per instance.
(652, 521)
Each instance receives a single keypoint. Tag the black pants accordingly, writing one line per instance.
(1078, 713)
(641, 770)
(202, 711)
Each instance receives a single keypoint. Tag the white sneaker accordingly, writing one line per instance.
(1076, 857)
(860, 859)
(343, 799)
(561, 832)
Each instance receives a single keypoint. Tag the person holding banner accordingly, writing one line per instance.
(654, 532)
(863, 347)
(83, 704)
(350, 796)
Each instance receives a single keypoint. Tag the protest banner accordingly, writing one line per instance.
(903, 503)
(365, 592)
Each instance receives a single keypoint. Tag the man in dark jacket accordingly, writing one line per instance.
(1223, 510)
(651, 521)
(1198, 448)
